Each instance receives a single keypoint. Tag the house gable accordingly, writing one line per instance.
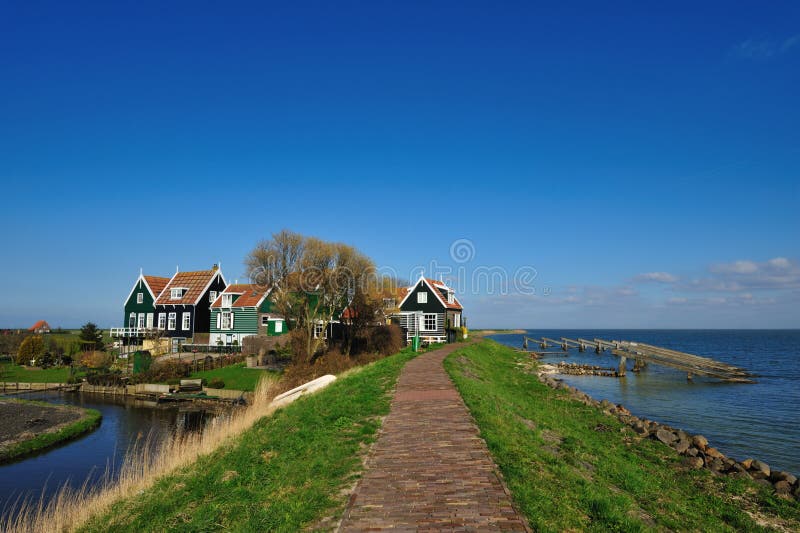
(434, 301)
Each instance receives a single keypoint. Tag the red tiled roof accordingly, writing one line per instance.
(157, 284)
(39, 325)
(441, 285)
(192, 282)
(250, 295)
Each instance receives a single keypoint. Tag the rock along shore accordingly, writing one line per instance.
(694, 448)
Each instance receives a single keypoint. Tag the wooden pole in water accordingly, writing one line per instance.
(622, 365)
(525, 343)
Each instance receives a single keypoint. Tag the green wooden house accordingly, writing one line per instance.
(242, 310)
(140, 305)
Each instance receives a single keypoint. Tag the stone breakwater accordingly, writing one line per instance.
(695, 449)
(574, 369)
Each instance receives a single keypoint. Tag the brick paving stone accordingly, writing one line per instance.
(429, 470)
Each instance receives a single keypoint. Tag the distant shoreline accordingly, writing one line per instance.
(498, 331)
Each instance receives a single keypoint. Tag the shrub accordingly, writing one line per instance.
(216, 383)
(96, 359)
(385, 340)
(30, 348)
(106, 379)
(165, 372)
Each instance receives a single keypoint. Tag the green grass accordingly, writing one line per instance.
(237, 377)
(14, 373)
(570, 467)
(285, 474)
(89, 421)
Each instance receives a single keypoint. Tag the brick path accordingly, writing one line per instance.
(429, 470)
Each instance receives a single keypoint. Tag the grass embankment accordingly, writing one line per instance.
(90, 419)
(237, 376)
(571, 467)
(13, 373)
(285, 473)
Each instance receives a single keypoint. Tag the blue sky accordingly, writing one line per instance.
(643, 161)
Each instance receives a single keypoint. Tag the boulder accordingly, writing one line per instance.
(667, 437)
(746, 463)
(693, 462)
(764, 482)
(700, 442)
(760, 466)
(716, 465)
(681, 446)
(783, 476)
(692, 451)
(783, 487)
(605, 404)
(713, 452)
(621, 410)
(640, 429)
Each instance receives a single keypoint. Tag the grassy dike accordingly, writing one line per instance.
(571, 467)
(287, 472)
(89, 420)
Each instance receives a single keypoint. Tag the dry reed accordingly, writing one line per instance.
(144, 464)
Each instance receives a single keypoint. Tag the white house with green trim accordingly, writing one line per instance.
(242, 310)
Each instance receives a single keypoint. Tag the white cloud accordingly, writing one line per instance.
(737, 267)
(765, 48)
(780, 263)
(659, 277)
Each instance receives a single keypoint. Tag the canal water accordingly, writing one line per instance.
(760, 420)
(125, 420)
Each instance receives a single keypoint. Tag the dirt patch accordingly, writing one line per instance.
(23, 420)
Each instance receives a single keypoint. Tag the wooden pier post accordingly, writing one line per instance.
(525, 343)
(622, 365)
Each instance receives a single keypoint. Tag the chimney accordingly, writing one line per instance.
(214, 267)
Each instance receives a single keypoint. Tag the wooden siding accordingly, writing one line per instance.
(145, 307)
(432, 306)
(245, 320)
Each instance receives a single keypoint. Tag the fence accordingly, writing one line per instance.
(211, 348)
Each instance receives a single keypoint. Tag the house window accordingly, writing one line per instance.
(422, 297)
(389, 303)
(140, 325)
(226, 321)
(278, 326)
(132, 320)
(429, 322)
(320, 330)
(227, 300)
(212, 296)
(187, 319)
(450, 297)
(149, 320)
(175, 294)
(162, 320)
(265, 320)
(172, 319)
(139, 298)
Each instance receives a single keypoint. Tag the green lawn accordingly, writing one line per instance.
(14, 373)
(570, 467)
(285, 474)
(237, 377)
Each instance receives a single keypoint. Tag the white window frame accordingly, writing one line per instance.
(175, 294)
(186, 321)
(212, 296)
(132, 320)
(320, 328)
(162, 321)
(140, 321)
(279, 326)
(172, 321)
(457, 320)
(227, 300)
(424, 325)
(225, 320)
(450, 297)
(389, 303)
(139, 297)
(149, 320)
(422, 297)
(265, 320)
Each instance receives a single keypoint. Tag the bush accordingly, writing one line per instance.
(165, 372)
(106, 379)
(385, 340)
(30, 348)
(96, 359)
(216, 383)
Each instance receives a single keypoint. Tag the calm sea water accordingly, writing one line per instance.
(759, 420)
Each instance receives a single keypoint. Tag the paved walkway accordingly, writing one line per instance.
(429, 470)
